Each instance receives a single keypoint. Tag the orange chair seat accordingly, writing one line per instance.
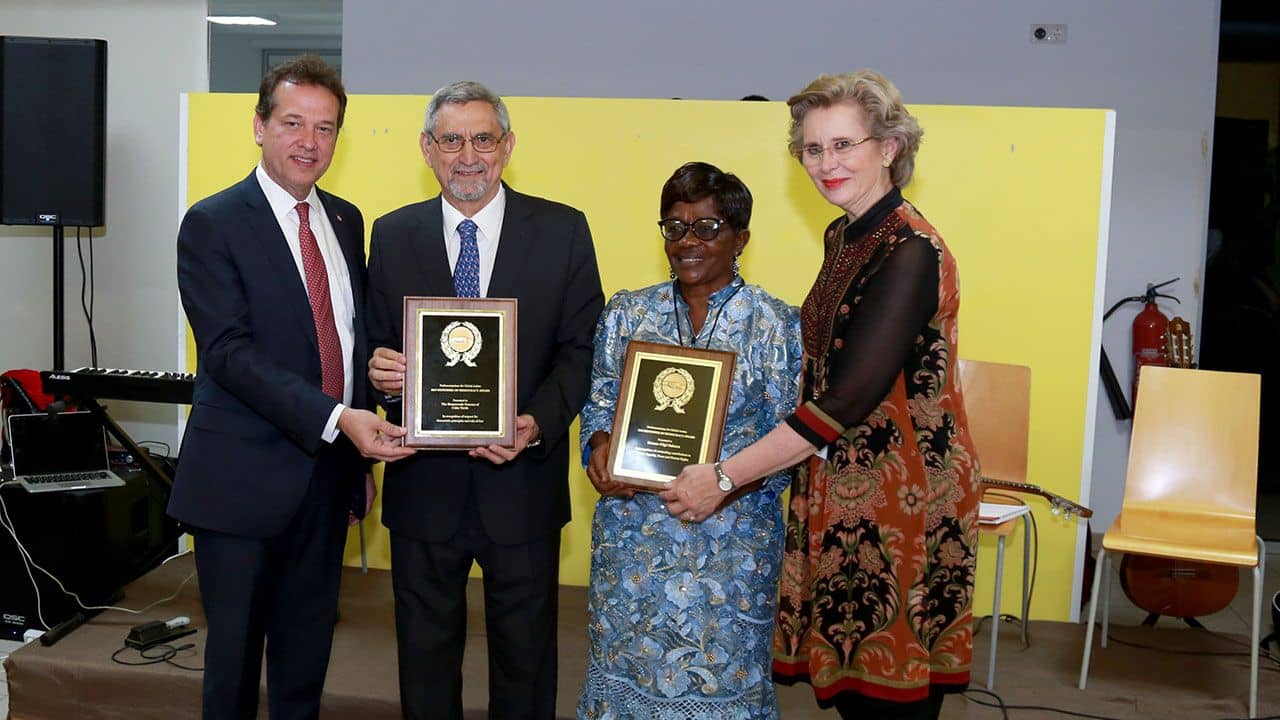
(1189, 535)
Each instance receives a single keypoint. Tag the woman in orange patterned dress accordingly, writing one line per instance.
(875, 609)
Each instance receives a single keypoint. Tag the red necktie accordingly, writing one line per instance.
(321, 306)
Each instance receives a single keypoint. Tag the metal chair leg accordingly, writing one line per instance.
(995, 613)
(1259, 576)
(1093, 612)
(1105, 565)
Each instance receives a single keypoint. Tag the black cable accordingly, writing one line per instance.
(166, 656)
(1005, 708)
(168, 451)
(87, 305)
(999, 703)
(93, 295)
(1262, 652)
(1035, 570)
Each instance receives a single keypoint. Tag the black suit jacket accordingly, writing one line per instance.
(253, 439)
(546, 261)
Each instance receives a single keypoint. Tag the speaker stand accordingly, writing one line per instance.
(59, 298)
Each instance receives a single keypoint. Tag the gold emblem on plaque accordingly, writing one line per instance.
(673, 388)
(460, 341)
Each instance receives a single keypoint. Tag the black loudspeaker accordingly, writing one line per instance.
(93, 541)
(53, 105)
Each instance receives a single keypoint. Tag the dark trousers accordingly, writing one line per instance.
(281, 590)
(857, 707)
(520, 596)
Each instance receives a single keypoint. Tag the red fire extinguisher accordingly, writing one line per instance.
(1150, 328)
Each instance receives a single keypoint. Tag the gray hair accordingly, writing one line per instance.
(460, 93)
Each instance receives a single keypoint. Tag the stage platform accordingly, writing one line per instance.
(76, 678)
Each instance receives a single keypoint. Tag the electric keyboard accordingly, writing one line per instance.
(158, 386)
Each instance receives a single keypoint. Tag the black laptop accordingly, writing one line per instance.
(62, 451)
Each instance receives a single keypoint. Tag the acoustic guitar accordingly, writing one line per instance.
(1177, 588)
(1058, 505)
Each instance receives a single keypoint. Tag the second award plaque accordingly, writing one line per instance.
(671, 412)
(460, 383)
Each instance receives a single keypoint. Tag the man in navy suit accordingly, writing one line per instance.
(271, 273)
(501, 507)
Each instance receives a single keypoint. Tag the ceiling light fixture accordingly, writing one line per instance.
(239, 20)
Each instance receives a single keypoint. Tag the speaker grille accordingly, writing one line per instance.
(52, 131)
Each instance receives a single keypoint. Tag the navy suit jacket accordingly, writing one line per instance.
(545, 260)
(253, 440)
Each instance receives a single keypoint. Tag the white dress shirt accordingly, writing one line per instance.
(284, 207)
(489, 222)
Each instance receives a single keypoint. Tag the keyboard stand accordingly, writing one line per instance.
(119, 433)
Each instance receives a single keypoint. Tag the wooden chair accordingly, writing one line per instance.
(997, 400)
(1191, 488)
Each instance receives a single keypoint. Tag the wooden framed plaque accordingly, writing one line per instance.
(671, 412)
(460, 378)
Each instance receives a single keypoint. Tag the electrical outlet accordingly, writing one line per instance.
(1047, 33)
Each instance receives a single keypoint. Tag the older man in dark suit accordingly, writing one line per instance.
(271, 273)
(501, 507)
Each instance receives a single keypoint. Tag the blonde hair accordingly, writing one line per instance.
(882, 110)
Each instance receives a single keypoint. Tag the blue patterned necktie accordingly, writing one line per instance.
(466, 274)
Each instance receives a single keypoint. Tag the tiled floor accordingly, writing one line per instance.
(1234, 619)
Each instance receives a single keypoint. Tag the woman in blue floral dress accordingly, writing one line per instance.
(682, 609)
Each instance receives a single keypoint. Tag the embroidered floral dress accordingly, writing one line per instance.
(681, 614)
(877, 584)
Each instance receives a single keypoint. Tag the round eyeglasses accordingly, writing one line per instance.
(706, 228)
(840, 147)
(481, 143)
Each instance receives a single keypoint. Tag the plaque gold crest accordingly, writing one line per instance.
(461, 341)
(673, 388)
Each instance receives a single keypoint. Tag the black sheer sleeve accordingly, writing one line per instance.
(898, 302)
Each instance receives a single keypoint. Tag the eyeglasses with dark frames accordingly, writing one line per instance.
(481, 143)
(706, 228)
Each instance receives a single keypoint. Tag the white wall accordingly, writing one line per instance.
(1153, 61)
(156, 49)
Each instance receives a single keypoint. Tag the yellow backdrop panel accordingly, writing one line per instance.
(1014, 191)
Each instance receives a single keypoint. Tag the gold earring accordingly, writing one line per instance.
(887, 162)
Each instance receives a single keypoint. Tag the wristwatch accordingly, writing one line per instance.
(723, 481)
